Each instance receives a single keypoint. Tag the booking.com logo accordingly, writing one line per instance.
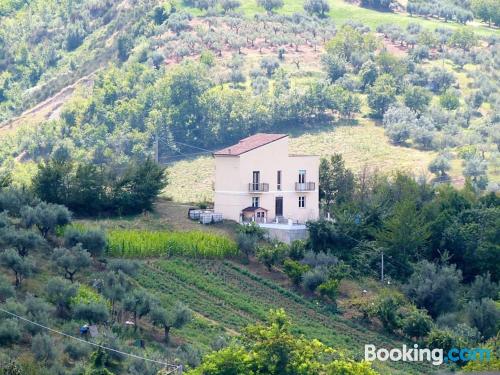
(435, 356)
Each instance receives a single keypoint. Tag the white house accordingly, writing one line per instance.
(258, 180)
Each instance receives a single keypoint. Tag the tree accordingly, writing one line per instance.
(368, 73)
(139, 304)
(60, 292)
(272, 349)
(124, 46)
(43, 348)
(52, 179)
(449, 100)
(335, 66)
(137, 189)
(229, 5)
(177, 318)
(440, 165)
(6, 289)
(294, 270)
(92, 240)
(484, 315)
(45, 216)
(417, 323)
(21, 267)
(434, 287)
(9, 331)
(317, 7)
(476, 168)
(399, 121)
(382, 94)
(487, 10)
(22, 240)
(71, 260)
(463, 38)
(404, 234)
(270, 5)
(483, 287)
(269, 64)
(440, 79)
(92, 312)
(336, 182)
(417, 98)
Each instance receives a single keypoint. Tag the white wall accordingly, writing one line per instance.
(234, 173)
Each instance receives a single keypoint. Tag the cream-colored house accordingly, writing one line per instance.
(258, 180)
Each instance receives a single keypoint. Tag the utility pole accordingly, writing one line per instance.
(382, 268)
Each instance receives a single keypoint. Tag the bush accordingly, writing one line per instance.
(434, 287)
(272, 254)
(9, 331)
(484, 315)
(387, 309)
(417, 324)
(314, 278)
(42, 347)
(329, 289)
(295, 270)
(297, 250)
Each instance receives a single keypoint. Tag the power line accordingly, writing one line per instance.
(176, 368)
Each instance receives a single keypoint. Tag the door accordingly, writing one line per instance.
(279, 206)
(256, 180)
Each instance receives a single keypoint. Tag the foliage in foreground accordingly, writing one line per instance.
(140, 243)
(272, 349)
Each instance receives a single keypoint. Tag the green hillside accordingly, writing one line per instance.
(228, 297)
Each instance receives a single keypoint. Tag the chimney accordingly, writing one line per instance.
(228, 150)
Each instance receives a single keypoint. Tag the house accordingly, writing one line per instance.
(258, 180)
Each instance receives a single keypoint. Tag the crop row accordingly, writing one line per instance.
(143, 243)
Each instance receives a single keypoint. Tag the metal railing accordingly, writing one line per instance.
(258, 187)
(305, 186)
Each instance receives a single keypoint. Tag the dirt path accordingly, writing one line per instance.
(49, 108)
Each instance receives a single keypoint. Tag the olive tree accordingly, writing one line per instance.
(71, 261)
(176, 318)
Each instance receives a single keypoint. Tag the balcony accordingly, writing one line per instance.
(258, 187)
(305, 186)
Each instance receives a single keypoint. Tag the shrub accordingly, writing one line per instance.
(297, 250)
(484, 315)
(387, 309)
(417, 324)
(143, 243)
(329, 289)
(9, 331)
(295, 270)
(42, 347)
(272, 254)
(314, 278)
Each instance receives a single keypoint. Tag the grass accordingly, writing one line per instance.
(227, 297)
(342, 12)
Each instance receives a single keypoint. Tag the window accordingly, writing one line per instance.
(302, 177)
(255, 202)
(255, 180)
(278, 180)
(302, 202)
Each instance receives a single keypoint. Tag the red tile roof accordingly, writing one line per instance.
(250, 143)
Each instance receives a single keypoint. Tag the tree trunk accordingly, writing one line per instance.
(167, 333)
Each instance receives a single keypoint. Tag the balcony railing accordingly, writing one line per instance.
(305, 186)
(257, 187)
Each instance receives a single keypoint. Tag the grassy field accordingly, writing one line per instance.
(361, 145)
(341, 12)
(222, 291)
